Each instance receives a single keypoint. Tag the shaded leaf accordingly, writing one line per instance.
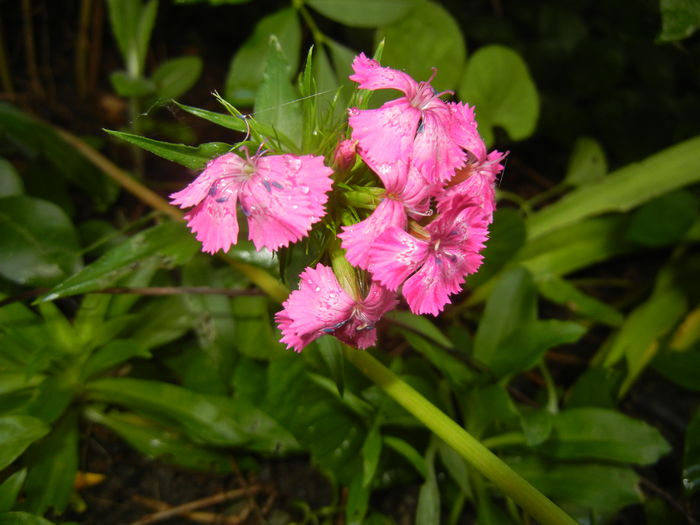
(22, 518)
(16, 434)
(497, 82)
(332, 354)
(587, 163)
(664, 220)
(691, 455)
(127, 86)
(176, 76)
(113, 354)
(363, 13)
(39, 244)
(358, 501)
(426, 22)
(10, 182)
(679, 367)
(9, 490)
(679, 19)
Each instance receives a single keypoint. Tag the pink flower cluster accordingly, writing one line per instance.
(422, 239)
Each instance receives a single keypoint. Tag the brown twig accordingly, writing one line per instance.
(187, 508)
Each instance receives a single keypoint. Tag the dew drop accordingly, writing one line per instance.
(317, 289)
(305, 190)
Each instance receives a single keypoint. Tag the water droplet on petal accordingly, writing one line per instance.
(305, 190)
(317, 289)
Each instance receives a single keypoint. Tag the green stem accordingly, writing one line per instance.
(481, 458)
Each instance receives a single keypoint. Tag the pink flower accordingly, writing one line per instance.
(321, 306)
(406, 194)
(475, 182)
(281, 195)
(433, 263)
(418, 125)
(344, 156)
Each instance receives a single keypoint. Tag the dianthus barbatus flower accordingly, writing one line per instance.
(418, 125)
(432, 262)
(281, 195)
(406, 195)
(321, 306)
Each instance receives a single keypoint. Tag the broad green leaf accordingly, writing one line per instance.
(363, 13)
(497, 82)
(664, 220)
(332, 354)
(176, 76)
(254, 336)
(587, 163)
(536, 425)
(489, 406)
(13, 381)
(593, 388)
(161, 321)
(691, 455)
(170, 239)
(52, 464)
(276, 101)
(208, 419)
(51, 398)
(113, 354)
(191, 157)
(248, 64)
(162, 444)
(511, 305)
(39, 143)
(600, 487)
(39, 244)
(9, 490)
(679, 19)
(221, 119)
(10, 182)
(16, 434)
(623, 189)
(22, 518)
(127, 86)
(427, 22)
(566, 294)
(598, 433)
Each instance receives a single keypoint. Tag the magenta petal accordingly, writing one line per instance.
(209, 181)
(396, 255)
(284, 198)
(435, 154)
(319, 306)
(371, 75)
(464, 130)
(360, 331)
(385, 135)
(428, 290)
(358, 238)
(214, 224)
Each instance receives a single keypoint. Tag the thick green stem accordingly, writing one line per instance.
(482, 459)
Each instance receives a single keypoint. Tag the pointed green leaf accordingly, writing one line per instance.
(113, 354)
(9, 490)
(22, 518)
(191, 157)
(332, 354)
(371, 451)
(363, 13)
(221, 119)
(16, 434)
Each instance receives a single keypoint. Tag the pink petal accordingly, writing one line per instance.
(396, 255)
(284, 198)
(214, 224)
(371, 75)
(428, 290)
(208, 181)
(358, 238)
(435, 153)
(385, 135)
(360, 331)
(319, 306)
(464, 130)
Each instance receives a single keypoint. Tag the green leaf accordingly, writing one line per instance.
(587, 163)
(593, 388)
(371, 451)
(170, 239)
(113, 354)
(276, 101)
(208, 419)
(22, 518)
(52, 464)
(598, 433)
(563, 292)
(427, 22)
(10, 182)
(221, 119)
(332, 354)
(363, 13)
(679, 19)
(456, 466)
(600, 487)
(623, 189)
(536, 425)
(248, 64)
(39, 244)
(16, 434)
(498, 83)
(191, 157)
(358, 501)
(176, 76)
(680, 367)
(128, 86)
(664, 220)
(160, 322)
(421, 325)
(254, 336)
(428, 508)
(9, 490)
(160, 443)
(691, 455)
(410, 453)
(511, 304)
(132, 23)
